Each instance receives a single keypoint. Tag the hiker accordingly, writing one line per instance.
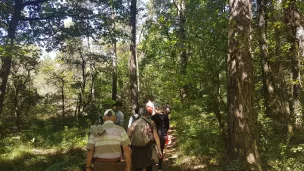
(161, 121)
(167, 109)
(119, 115)
(104, 146)
(144, 151)
(134, 117)
(150, 106)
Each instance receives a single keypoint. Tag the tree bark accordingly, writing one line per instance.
(183, 55)
(84, 80)
(114, 62)
(268, 86)
(281, 106)
(217, 103)
(292, 20)
(63, 97)
(241, 117)
(132, 63)
(7, 60)
(93, 76)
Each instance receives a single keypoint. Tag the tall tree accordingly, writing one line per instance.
(266, 67)
(182, 44)
(133, 58)
(40, 22)
(114, 62)
(241, 117)
(20, 89)
(7, 60)
(26, 16)
(292, 20)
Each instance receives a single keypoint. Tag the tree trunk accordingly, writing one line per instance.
(241, 117)
(282, 90)
(15, 108)
(84, 80)
(292, 20)
(266, 66)
(132, 64)
(114, 76)
(7, 60)
(183, 55)
(62, 98)
(114, 62)
(217, 106)
(92, 89)
(19, 86)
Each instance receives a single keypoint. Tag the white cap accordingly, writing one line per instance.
(109, 112)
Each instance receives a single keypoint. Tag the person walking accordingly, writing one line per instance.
(119, 115)
(150, 106)
(142, 155)
(104, 146)
(134, 117)
(161, 121)
(167, 109)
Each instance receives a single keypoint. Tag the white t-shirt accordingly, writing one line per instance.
(131, 120)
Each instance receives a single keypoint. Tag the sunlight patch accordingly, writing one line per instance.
(202, 166)
(251, 158)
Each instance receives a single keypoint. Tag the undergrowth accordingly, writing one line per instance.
(198, 139)
(201, 147)
(47, 144)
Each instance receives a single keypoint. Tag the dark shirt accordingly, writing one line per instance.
(162, 123)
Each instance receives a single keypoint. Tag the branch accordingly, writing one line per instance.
(39, 18)
(54, 16)
(175, 3)
(37, 2)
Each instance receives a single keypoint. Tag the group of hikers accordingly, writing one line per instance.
(141, 145)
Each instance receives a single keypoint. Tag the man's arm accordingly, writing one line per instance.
(156, 137)
(125, 142)
(89, 159)
(130, 122)
(127, 154)
(130, 131)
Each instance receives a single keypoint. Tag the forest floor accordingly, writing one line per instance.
(171, 154)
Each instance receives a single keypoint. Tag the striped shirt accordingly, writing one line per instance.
(108, 144)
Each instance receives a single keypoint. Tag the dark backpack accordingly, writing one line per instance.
(140, 137)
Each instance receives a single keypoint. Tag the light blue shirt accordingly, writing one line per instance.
(119, 118)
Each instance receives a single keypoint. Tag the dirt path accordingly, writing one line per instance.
(170, 153)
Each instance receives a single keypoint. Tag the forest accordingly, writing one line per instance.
(229, 69)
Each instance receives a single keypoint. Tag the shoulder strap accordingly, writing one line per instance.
(147, 122)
